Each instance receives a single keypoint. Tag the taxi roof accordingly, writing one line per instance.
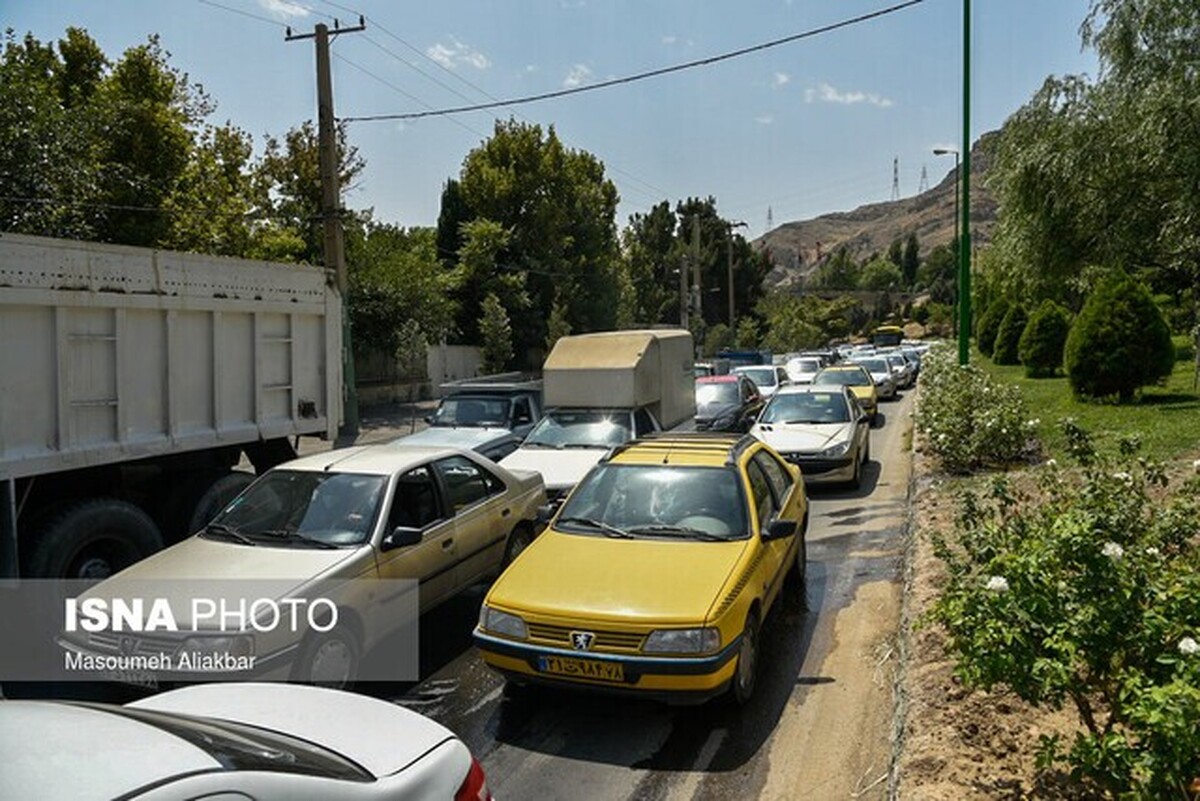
(694, 449)
(371, 459)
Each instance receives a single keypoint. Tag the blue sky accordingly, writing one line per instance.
(805, 128)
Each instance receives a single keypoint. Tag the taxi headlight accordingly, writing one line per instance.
(497, 622)
(836, 450)
(682, 641)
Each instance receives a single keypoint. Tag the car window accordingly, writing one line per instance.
(522, 414)
(465, 482)
(336, 508)
(415, 502)
(760, 489)
(807, 407)
(777, 475)
(749, 392)
(643, 423)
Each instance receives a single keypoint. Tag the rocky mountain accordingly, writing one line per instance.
(797, 248)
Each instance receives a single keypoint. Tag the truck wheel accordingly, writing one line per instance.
(217, 497)
(93, 539)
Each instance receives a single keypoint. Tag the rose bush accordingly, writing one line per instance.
(969, 420)
(1085, 590)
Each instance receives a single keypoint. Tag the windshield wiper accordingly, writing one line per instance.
(611, 531)
(686, 531)
(295, 536)
(228, 531)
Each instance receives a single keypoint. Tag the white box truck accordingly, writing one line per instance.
(602, 390)
(133, 380)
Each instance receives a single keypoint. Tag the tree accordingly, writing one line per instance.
(1008, 335)
(838, 272)
(1119, 342)
(719, 337)
(651, 258)
(496, 334)
(895, 252)
(557, 326)
(558, 210)
(1045, 336)
(880, 275)
(911, 261)
(989, 325)
(747, 333)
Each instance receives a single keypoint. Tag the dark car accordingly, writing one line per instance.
(726, 403)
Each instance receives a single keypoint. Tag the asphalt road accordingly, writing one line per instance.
(818, 727)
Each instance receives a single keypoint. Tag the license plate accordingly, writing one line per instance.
(582, 668)
(136, 678)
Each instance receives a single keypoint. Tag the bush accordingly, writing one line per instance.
(1087, 592)
(1119, 343)
(1185, 348)
(1008, 336)
(989, 325)
(967, 419)
(1045, 336)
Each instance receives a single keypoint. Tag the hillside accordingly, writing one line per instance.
(798, 247)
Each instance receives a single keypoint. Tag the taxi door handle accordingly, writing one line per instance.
(504, 512)
(447, 544)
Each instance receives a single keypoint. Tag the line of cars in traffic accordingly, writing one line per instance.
(652, 575)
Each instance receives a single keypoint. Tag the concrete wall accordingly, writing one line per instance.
(451, 363)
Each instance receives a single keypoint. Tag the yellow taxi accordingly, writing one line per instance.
(656, 574)
(857, 378)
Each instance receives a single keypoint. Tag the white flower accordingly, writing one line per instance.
(1151, 551)
(1123, 477)
(1196, 465)
(1189, 647)
(997, 584)
(1112, 550)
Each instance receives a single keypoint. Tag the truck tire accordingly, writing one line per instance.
(93, 539)
(218, 495)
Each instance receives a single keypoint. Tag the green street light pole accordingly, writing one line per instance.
(964, 244)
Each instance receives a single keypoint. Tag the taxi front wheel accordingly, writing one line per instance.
(746, 675)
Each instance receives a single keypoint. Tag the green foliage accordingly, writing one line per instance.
(747, 333)
(496, 333)
(989, 325)
(799, 322)
(557, 326)
(1119, 343)
(968, 419)
(1008, 335)
(1086, 591)
(911, 262)
(939, 275)
(1045, 336)
(879, 275)
(558, 209)
(839, 271)
(719, 337)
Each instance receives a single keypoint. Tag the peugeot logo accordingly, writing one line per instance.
(582, 640)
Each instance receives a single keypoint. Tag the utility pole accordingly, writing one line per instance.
(896, 178)
(729, 226)
(683, 292)
(697, 306)
(331, 207)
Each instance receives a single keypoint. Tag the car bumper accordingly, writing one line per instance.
(822, 471)
(676, 679)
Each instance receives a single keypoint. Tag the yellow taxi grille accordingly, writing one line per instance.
(605, 640)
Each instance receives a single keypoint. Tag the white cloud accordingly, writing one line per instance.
(827, 94)
(283, 9)
(765, 119)
(669, 39)
(455, 53)
(577, 75)
(781, 79)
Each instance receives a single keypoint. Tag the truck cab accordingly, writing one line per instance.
(489, 415)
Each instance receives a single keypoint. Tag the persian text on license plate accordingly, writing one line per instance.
(582, 668)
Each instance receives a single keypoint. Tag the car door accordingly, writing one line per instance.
(767, 502)
(483, 517)
(523, 415)
(417, 502)
(752, 403)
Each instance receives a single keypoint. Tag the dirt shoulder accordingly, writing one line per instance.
(955, 743)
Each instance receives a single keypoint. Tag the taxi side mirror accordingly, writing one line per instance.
(544, 514)
(778, 529)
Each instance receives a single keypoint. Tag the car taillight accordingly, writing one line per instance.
(474, 787)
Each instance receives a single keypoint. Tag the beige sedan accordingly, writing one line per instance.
(443, 518)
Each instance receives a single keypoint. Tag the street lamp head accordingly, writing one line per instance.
(944, 151)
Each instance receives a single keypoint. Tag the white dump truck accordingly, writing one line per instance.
(132, 381)
(602, 390)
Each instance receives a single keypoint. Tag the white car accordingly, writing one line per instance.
(802, 369)
(233, 741)
(886, 381)
(906, 373)
(767, 377)
(822, 430)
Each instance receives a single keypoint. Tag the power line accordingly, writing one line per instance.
(641, 76)
(244, 13)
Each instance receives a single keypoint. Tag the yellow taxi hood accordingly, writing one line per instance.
(596, 578)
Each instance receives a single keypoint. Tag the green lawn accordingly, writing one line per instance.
(1166, 417)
